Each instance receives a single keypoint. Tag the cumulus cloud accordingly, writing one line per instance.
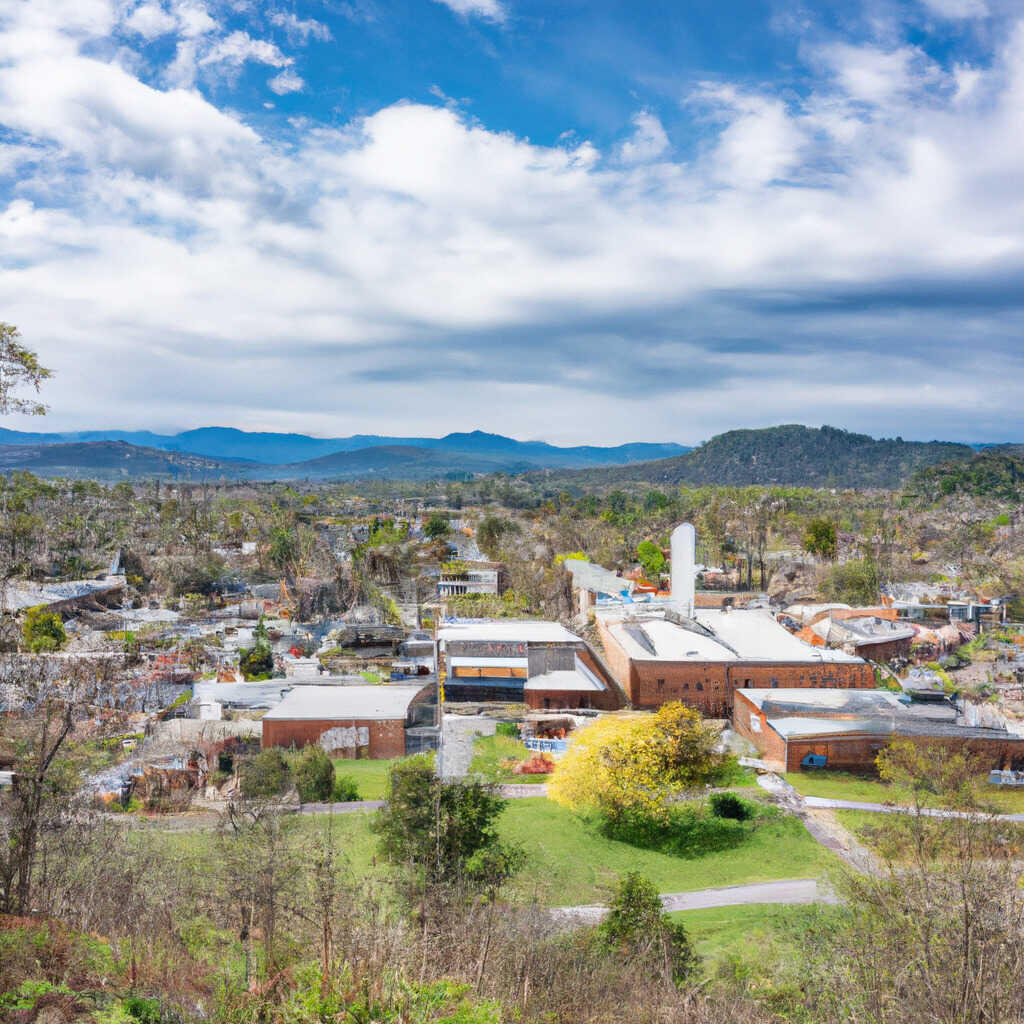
(489, 10)
(150, 20)
(850, 254)
(955, 9)
(287, 81)
(648, 142)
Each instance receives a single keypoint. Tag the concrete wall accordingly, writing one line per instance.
(387, 737)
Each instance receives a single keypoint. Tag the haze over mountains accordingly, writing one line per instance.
(791, 455)
(225, 451)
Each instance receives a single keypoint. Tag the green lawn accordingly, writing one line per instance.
(745, 934)
(833, 785)
(570, 863)
(370, 776)
(490, 751)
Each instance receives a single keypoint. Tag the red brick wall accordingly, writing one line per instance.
(709, 685)
(387, 737)
(749, 721)
(859, 753)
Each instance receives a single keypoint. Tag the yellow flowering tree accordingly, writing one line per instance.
(635, 765)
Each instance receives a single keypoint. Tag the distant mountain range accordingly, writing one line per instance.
(238, 454)
(790, 455)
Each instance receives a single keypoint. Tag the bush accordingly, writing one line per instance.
(731, 806)
(509, 729)
(314, 776)
(264, 775)
(43, 631)
(638, 929)
(346, 789)
(687, 833)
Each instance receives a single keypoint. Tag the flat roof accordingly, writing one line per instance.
(797, 727)
(749, 634)
(564, 679)
(669, 641)
(527, 631)
(826, 698)
(344, 702)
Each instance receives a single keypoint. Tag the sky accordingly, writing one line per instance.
(598, 222)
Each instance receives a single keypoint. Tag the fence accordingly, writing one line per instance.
(546, 746)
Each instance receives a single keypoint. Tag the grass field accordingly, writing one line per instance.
(570, 863)
(844, 786)
(490, 751)
(745, 935)
(370, 776)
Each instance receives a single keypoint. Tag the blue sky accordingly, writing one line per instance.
(582, 222)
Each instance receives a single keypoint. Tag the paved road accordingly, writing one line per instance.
(792, 890)
(931, 812)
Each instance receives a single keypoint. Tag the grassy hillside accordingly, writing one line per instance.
(788, 455)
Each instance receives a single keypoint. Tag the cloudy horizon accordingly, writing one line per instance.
(593, 223)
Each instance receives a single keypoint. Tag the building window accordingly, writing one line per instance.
(661, 684)
(686, 686)
(700, 686)
(746, 684)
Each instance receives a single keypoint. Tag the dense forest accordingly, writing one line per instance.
(788, 455)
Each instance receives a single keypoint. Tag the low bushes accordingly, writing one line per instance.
(690, 829)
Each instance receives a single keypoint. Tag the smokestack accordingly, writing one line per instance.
(684, 568)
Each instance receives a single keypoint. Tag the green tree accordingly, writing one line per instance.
(490, 533)
(264, 775)
(639, 931)
(314, 775)
(444, 833)
(257, 662)
(43, 631)
(650, 557)
(19, 369)
(437, 527)
(855, 582)
(820, 538)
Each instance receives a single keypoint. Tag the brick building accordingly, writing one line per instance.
(849, 728)
(361, 721)
(702, 659)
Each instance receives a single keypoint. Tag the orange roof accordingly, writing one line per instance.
(810, 637)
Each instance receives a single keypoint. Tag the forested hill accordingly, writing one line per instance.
(790, 455)
(993, 473)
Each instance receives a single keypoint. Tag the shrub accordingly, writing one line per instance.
(509, 729)
(346, 789)
(731, 806)
(638, 929)
(314, 775)
(687, 832)
(264, 775)
(43, 631)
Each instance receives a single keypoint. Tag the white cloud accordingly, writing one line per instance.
(490, 10)
(299, 30)
(649, 140)
(150, 230)
(150, 21)
(287, 81)
(238, 47)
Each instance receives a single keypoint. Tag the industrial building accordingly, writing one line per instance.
(674, 650)
(542, 664)
(795, 728)
(376, 722)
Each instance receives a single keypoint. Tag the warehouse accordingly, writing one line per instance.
(540, 663)
(351, 721)
(798, 728)
(675, 650)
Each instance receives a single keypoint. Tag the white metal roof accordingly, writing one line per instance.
(457, 662)
(344, 703)
(564, 679)
(671, 642)
(528, 631)
(737, 634)
(826, 698)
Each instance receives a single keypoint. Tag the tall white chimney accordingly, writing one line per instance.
(684, 568)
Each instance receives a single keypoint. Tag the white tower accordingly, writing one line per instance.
(684, 568)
